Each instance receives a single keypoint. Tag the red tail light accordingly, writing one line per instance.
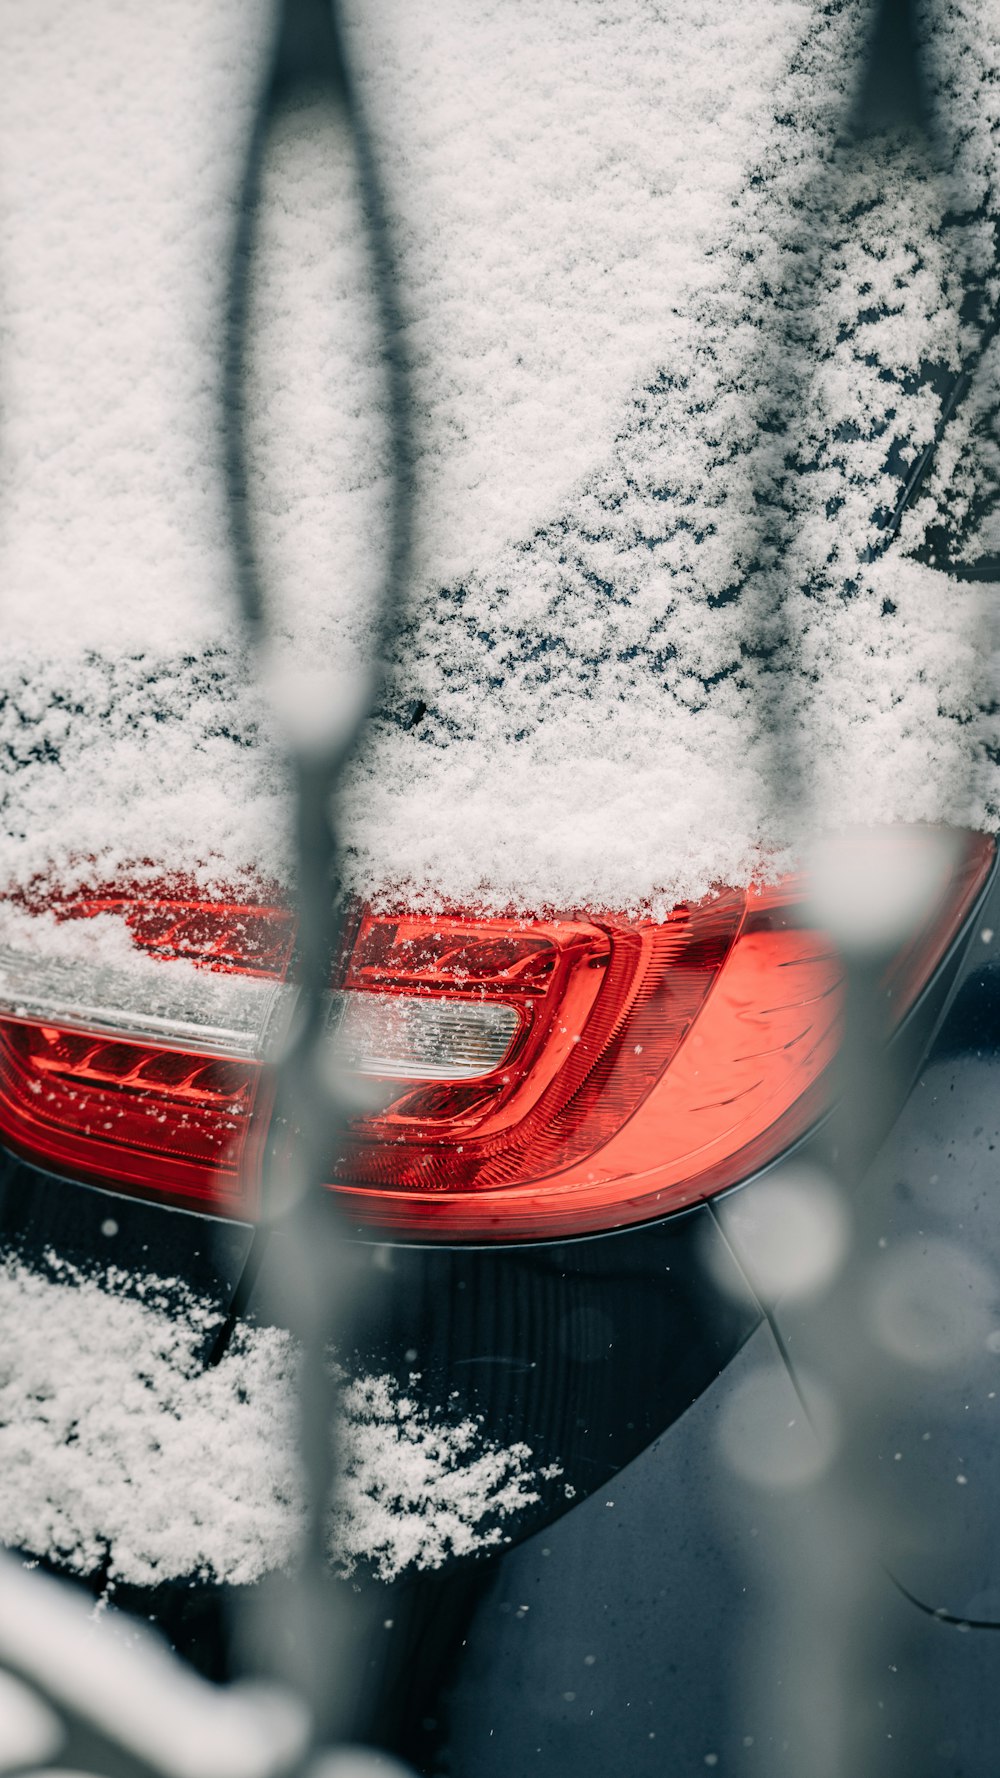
(130, 1055)
(538, 1078)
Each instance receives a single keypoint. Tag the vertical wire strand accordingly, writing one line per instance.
(827, 1649)
(311, 1274)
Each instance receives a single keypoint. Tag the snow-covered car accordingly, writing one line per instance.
(589, 993)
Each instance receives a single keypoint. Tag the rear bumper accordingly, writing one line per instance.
(625, 1637)
(614, 1358)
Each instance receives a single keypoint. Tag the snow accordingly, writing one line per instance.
(599, 211)
(600, 208)
(119, 1447)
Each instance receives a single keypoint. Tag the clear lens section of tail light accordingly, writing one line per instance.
(405, 1038)
(132, 1039)
(537, 1077)
(217, 1017)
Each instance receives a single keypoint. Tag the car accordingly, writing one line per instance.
(592, 1006)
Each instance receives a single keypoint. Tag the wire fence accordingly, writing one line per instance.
(308, 1628)
(77, 1691)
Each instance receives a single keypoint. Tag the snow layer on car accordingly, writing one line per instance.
(120, 1449)
(601, 212)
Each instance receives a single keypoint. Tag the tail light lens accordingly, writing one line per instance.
(131, 1055)
(534, 1078)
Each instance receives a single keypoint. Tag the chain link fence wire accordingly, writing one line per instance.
(845, 1682)
(822, 1639)
(300, 1630)
(305, 1631)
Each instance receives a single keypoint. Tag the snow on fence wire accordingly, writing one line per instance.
(76, 1691)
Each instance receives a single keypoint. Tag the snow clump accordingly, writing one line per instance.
(120, 1450)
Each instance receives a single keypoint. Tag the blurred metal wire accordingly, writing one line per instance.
(827, 1613)
(822, 1651)
(305, 1631)
(301, 1628)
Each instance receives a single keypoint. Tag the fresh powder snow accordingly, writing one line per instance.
(600, 211)
(121, 1451)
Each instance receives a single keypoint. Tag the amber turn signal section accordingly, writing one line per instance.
(532, 1078)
